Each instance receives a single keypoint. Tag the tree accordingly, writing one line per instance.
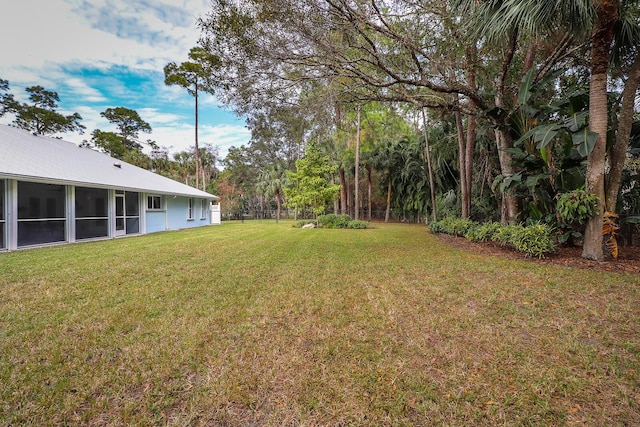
(607, 15)
(129, 125)
(192, 75)
(7, 103)
(389, 51)
(41, 117)
(272, 182)
(310, 185)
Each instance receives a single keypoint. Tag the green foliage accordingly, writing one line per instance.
(358, 224)
(40, 116)
(310, 186)
(573, 209)
(7, 102)
(453, 226)
(536, 240)
(340, 221)
(192, 75)
(484, 232)
(576, 207)
(333, 221)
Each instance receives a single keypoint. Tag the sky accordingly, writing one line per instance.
(98, 54)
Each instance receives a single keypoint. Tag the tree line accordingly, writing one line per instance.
(512, 103)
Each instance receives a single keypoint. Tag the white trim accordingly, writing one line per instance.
(71, 213)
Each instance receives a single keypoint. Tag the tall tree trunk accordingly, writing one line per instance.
(197, 149)
(510, 203)
(618, 152)
(468, 161)
(278, 206)
(427, 150)
(471, 128)
(349, 198)
(388, 210)
(357, 169)
(343, 192)
(369, 186)
(462, 158)
(607, 14)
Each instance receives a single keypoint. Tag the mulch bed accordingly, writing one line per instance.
(628, 258)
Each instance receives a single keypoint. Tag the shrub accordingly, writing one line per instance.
(333, 221)
(453, 226)
(505, 235)
(483, 232)
(574, 209)
(534, 240)
(577, 206)
(356, 223)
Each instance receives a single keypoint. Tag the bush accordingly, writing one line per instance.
(333, 221)
(577, 206)
(534, 240)
(453, 226)
(356, 223)
(483, 232)
(505, 235)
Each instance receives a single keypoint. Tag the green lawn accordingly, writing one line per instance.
(264, 324)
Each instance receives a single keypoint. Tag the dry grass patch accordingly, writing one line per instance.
(263, 324)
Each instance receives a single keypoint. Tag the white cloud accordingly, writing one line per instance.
(87, 92)
(141, 34)
(107, 53)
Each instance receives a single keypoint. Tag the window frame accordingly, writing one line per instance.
(151, 198)
(190, 209)
(203, 208)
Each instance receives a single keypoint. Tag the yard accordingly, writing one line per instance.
(264, 324)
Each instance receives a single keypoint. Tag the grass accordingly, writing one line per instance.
(264, 324)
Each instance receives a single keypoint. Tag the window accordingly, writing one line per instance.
(189, 208)
(203, 209)
(154, 203)
(92, 217)
(41, 213)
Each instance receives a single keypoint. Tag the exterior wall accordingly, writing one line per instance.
(156, 221)
(177, 213)
(171, 214)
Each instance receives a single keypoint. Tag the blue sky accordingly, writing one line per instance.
(111, 53)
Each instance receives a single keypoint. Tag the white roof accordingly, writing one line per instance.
(28, 157)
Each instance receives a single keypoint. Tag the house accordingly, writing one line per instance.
(53, 191)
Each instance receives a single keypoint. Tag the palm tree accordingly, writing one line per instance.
(271, 183)
(583, 20)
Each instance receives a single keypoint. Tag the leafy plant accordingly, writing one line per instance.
(453, 226)
(333, 221)
(358, 224)
(573, 209)
(484, 232)
(535, 240)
